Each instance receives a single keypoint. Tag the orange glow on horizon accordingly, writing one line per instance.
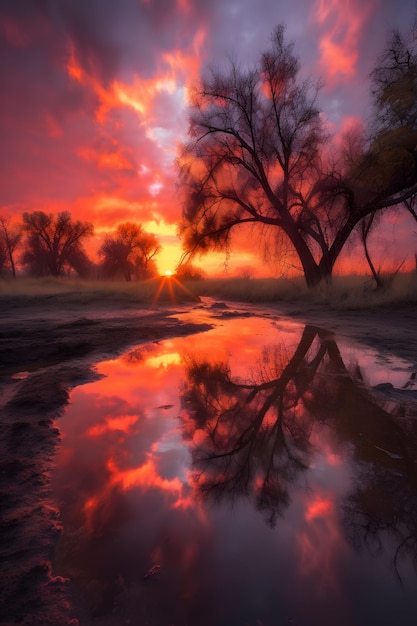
(171, 286)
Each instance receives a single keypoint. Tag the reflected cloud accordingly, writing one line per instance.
(122, 423)
(321, 544)
(256, 437)
(144, 476)
(256, 433)
(177, 456)
(164, 360)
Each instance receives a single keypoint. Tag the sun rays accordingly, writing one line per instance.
(170, 287)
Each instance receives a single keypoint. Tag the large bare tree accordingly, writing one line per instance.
(256, 155)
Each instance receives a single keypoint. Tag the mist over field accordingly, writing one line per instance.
(353, 291)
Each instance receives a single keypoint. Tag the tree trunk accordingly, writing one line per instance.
(330, 256)
(366, 226)
(12, 265)
(313, 274)
(375, 274)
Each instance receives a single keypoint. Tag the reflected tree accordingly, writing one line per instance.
(378, 426)
(257, 433)
(253, 438)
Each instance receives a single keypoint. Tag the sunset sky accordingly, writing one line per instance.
(94, 94)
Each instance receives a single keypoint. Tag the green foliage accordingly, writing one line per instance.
(394, 83)
(390, 165)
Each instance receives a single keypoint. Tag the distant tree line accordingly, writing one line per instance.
(47, 244)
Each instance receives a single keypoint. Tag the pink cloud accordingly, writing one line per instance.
(342, 24)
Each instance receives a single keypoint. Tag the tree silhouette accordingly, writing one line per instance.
(254, 437)
(256, 156)
(129, 252)
(3, 257)
(384, 173)
(54, 244)
(10, 238)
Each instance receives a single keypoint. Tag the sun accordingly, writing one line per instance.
(168, 273)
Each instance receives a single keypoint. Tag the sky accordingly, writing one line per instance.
(93, 100)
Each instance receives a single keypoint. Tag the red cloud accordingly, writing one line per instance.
(144, 476)
(342, 23)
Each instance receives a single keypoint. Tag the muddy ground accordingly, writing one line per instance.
(37, 331)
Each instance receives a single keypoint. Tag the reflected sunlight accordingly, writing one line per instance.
(169, 286)
(145, 476)
(123, 423)
(202, 445)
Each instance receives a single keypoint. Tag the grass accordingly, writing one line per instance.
(345, 292)
(51, 286)
(352, 291)
(75, 291)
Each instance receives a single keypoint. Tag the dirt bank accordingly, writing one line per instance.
(391, 329)
(37, 331)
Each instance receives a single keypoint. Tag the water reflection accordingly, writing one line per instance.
(174, 433)
(255, 437)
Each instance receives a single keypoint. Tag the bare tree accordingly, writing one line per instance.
(3, 257)
(256, 156)
(10, 238)
(255, 437)
(54, 243)
(129, 252)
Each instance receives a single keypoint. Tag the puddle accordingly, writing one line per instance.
(248, 475)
